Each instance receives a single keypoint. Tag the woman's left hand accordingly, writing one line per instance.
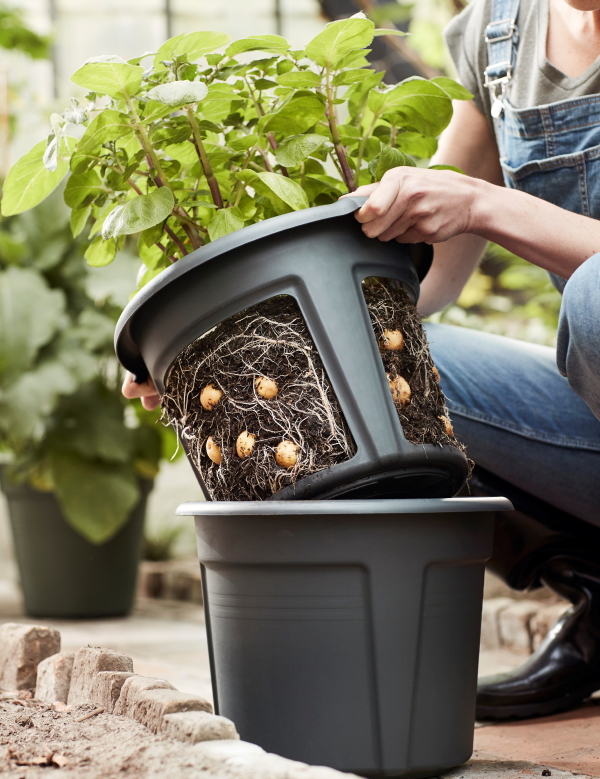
(413, 204)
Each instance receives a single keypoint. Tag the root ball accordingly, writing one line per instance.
(447, 425)
(210, 396)
(213, 450)
(392, 340)
(286, 454)
(266, 388)
(400, 390)
(244, 444)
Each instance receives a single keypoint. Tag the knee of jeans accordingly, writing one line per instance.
(579, 322)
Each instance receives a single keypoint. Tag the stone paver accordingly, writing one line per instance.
(54, 677)
(485, 766)
(568, 741)
(89, 662)
(22, 648)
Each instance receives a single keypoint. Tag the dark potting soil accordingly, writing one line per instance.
(272, 340)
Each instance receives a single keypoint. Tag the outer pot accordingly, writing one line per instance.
(319, 256)
(62, 574)
(346, 633)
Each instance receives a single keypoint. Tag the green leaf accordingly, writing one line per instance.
(452, 88)
(225, 221)
(109, 75)
(258, 43)
(192, 44)
(417, 144)
(79, 218)
(29, 182)
(347, 77)
(139, 214)
(81, 186)
(419, 104)
(385, 31)
(107, 126)
(101, 253)
(179, 93)
(355, 59)
(285, 195)
(298, 148)
(30, 315)
(447, 167)
(96, 498)
(296, 116)
(387, 159)
(338, 39)
(300, 80)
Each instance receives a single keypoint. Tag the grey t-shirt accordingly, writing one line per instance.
(535, 82)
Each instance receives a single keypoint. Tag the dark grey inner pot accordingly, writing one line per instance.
(319, 256)
(346, 633)
(62, 574)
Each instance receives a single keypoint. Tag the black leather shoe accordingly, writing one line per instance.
(565, 670)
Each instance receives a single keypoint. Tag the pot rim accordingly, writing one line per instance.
(250, 234)
(370, 506)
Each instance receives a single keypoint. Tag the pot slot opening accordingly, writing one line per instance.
(412, 377)
(254, 406)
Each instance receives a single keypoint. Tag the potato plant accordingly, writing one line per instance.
(203, 137)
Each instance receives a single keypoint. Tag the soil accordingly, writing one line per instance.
(36, 740)
(272, 340)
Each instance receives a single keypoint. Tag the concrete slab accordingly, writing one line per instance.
(567, 742)
(484, 766)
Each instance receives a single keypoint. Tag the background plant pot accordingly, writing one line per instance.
(319, 256)
(346, 633)
(62, 574)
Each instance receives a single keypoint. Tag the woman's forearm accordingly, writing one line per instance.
(539, 232)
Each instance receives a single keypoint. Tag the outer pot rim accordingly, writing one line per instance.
(317, 507)
(227, 243)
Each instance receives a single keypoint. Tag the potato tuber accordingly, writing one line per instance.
(244, 444)
(213, 450)
(210, 396)
(286, 454)
(400, 390)
(266, 388)
(436, 374)
(393, 340)
(448, 425)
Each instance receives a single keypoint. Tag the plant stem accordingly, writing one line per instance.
(164, 251)
(363, 143)
(337, 143)
(144, 140)
(134, 186)
(213, 184)
(270, 137)
(175, 240)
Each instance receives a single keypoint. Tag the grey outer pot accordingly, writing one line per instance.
(319, 256)
(346, 633)
(63, 575)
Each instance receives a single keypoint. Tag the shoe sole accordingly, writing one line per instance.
(539, 709)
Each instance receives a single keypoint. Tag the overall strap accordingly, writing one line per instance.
(501, 37)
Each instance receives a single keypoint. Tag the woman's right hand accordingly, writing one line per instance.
(146, 391)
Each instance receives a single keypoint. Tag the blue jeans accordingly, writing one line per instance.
(526, 414)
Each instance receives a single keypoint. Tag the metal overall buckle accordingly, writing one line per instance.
(498, 84)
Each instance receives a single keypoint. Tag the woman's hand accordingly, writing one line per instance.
(146, 391)
(413, 204)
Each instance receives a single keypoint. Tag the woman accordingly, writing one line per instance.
(530, 146)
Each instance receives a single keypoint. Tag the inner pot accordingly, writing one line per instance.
(319, 257)
(346, 633)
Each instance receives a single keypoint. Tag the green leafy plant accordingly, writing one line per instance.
(15, 35)
(215, 135)
(64, 425)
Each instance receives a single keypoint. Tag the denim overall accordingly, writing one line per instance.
(527, 413)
